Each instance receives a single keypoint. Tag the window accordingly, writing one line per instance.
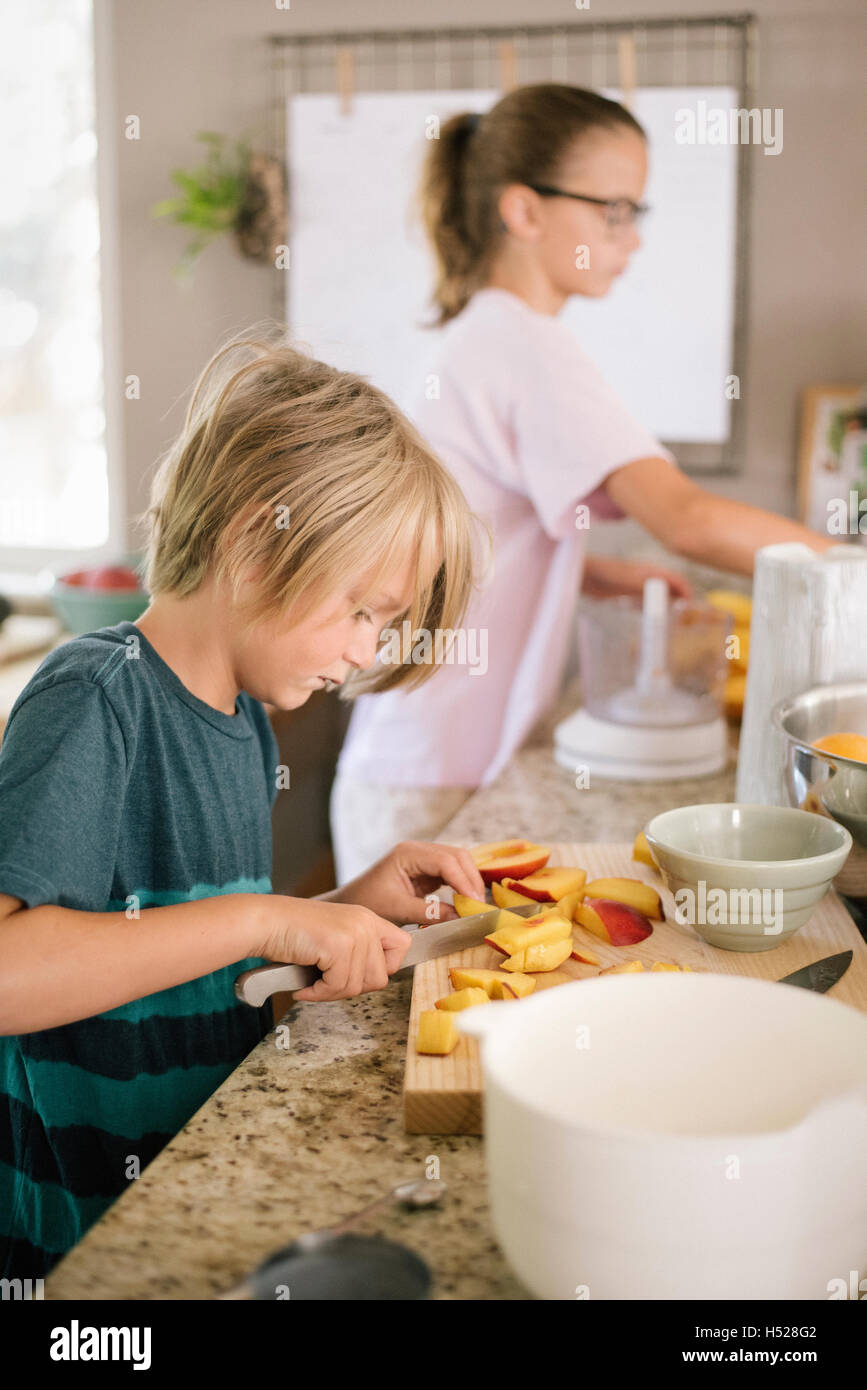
(54, 474)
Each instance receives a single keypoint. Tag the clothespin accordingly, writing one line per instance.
(626, 64)
(345, 79)
(508, 65)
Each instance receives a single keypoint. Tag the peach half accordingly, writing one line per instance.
(631, 891)
(509, 859)
(614, 922)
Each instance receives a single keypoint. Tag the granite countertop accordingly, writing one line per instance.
(303, 1137)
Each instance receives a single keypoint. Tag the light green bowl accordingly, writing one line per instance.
(82, 609)
(746, 878)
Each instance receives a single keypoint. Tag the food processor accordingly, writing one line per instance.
(652, 677)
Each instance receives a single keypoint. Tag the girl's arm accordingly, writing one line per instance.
(697, 524)
(606, 576)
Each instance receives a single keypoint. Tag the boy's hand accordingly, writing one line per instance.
(401, 885)
(355, 950)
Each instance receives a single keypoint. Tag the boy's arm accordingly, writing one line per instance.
(58, 965)
(698, 524)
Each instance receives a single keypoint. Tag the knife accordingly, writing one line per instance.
(822, 974)
(428, 943)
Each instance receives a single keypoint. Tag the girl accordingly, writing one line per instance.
(531, 431)
(138, 769)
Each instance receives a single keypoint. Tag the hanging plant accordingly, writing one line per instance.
(236, 191)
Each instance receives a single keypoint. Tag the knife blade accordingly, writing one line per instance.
(428, 943)
(821, 974)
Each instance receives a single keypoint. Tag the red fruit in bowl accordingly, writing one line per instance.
(108, 577)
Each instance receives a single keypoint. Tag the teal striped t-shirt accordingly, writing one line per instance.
(120, 790)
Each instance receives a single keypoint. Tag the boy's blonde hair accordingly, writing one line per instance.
(313, 475)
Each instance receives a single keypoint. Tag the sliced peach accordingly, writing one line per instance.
(509, 859)
(467, 977)
(667, 965)
(545, 955)
(582, 953)
(641, 850)
(632, 891)
(469, 907)
(548, 885)
(462, 999)
(614, 922)
(534, 930)
(437, 1032)
(491, 981)
(518, 986)
(626, 967)
(740, 606)
(507, 897)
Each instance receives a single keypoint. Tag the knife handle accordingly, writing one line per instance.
(255, 986)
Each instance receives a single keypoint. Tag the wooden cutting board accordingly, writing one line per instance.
(443, 1095)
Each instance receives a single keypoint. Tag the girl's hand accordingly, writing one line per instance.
(355, 950)
(400, 886)
(605, 576)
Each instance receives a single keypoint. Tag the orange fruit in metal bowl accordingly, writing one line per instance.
(844, 746)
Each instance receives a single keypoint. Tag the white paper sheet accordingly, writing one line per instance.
(361, 274)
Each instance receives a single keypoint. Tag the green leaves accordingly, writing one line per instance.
(211, 194)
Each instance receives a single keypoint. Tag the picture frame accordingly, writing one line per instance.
(820, 470)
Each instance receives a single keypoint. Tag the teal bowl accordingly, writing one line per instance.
(746, 878)
(82, 608)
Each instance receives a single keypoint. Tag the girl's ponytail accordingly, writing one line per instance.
(522, 139)
(443, 199)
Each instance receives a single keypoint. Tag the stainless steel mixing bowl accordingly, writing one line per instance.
(825, 782)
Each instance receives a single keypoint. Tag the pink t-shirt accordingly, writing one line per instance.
(529, 428)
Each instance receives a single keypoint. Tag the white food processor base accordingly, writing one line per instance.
(632, 752)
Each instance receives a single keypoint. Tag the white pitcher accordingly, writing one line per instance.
(677, 1136)
(807, 629)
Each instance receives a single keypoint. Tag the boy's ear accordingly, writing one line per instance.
(246, 517)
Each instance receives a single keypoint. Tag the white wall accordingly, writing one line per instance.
(188, 65)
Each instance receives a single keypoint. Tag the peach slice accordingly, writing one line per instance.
(489, 980)
(437, 1032)
(462, 999)
(518, 985)
(546, 955)
(626, 967)
(740, 606)
(641, 851)
(614, 922)
(548, 885)
(509, 859)
(565, 907)
(507, 897)
(632, 891)
(509, 939)
(469, 907)
(667, 965)
(582, 953)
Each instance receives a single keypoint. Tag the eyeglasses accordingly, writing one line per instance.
(620, 213)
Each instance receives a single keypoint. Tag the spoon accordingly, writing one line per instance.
(420, 1192)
